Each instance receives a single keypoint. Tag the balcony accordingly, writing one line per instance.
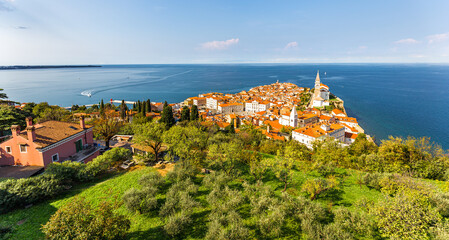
(88, 150)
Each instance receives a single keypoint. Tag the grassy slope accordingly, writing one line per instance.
(149, 226)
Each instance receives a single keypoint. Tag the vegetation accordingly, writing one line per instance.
(256, 189)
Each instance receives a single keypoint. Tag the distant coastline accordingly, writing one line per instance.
(46, 66)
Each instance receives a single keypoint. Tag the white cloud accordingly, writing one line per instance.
(438, 37)
(219, 45)
(291, 45)
(407, 41)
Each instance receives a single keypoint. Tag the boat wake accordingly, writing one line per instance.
(91, 92)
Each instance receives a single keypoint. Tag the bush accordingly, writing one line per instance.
(152, 179)
(78, 220)
(176, 223)
(226, 226)
(144, 200)
(104, 162)
(20, 192)
(68, 171)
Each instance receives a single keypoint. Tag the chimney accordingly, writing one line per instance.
(82, 124)
(268, 128)
(29, 121)
(31, 133)
(15, 129)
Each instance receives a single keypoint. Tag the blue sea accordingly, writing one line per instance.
(387, 99)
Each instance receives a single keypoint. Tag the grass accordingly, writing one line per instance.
(26, 223)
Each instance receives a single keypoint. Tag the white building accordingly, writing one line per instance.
(256, 106)
(227, 108)
(212, 102)
(321, 93)
(307, 135)
(290, 120)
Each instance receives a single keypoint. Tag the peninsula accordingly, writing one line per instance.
(45, 66)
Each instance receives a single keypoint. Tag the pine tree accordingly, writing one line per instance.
(185, 114)
(194, 113)
(148, 105)
(167, 117)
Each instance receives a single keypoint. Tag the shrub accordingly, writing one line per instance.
(20, 192)
(152, 179)
(78, 220)
(227, 226)
(104, 162)
(68, 171)
(176, 223)
(142, 201)
(181, 172)
(348, 225)
(216, 179)
(441, 202)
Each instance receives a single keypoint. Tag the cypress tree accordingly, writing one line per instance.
(167, 116)
(143, 109)
(231, 127)
(138, 106)
(134, 106)
(101, 108)
(185, 114)
(123, 109)
(194, 113)
(148, 105)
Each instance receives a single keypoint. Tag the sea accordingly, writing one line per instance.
(387, 99)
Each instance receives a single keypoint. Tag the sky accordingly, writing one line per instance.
(42, 32)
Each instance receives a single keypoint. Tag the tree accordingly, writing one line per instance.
(10, 116)
(361, 145)
(167, 116)
(150, 134)
(315, 187)
(148, 107)
(407, 215)
(226, 156)
(230, 128)
(78, 220)
(102, 108)
(123, 109)
(257, 166)
(185, 114)
(3, 95)
(143, 109)
(285, 161)
(106, 128)
(194, 115)
(138, 106)
(188, 143)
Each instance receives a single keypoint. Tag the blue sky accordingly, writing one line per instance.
(139, 32)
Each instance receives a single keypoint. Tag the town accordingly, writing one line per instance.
(282, 111)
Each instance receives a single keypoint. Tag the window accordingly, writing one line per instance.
(8, 149)
(55, 157)
(23, 148)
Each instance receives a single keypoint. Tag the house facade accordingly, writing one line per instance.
(47, 142)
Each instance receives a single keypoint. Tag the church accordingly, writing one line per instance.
(290, 120)
(321, 94)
